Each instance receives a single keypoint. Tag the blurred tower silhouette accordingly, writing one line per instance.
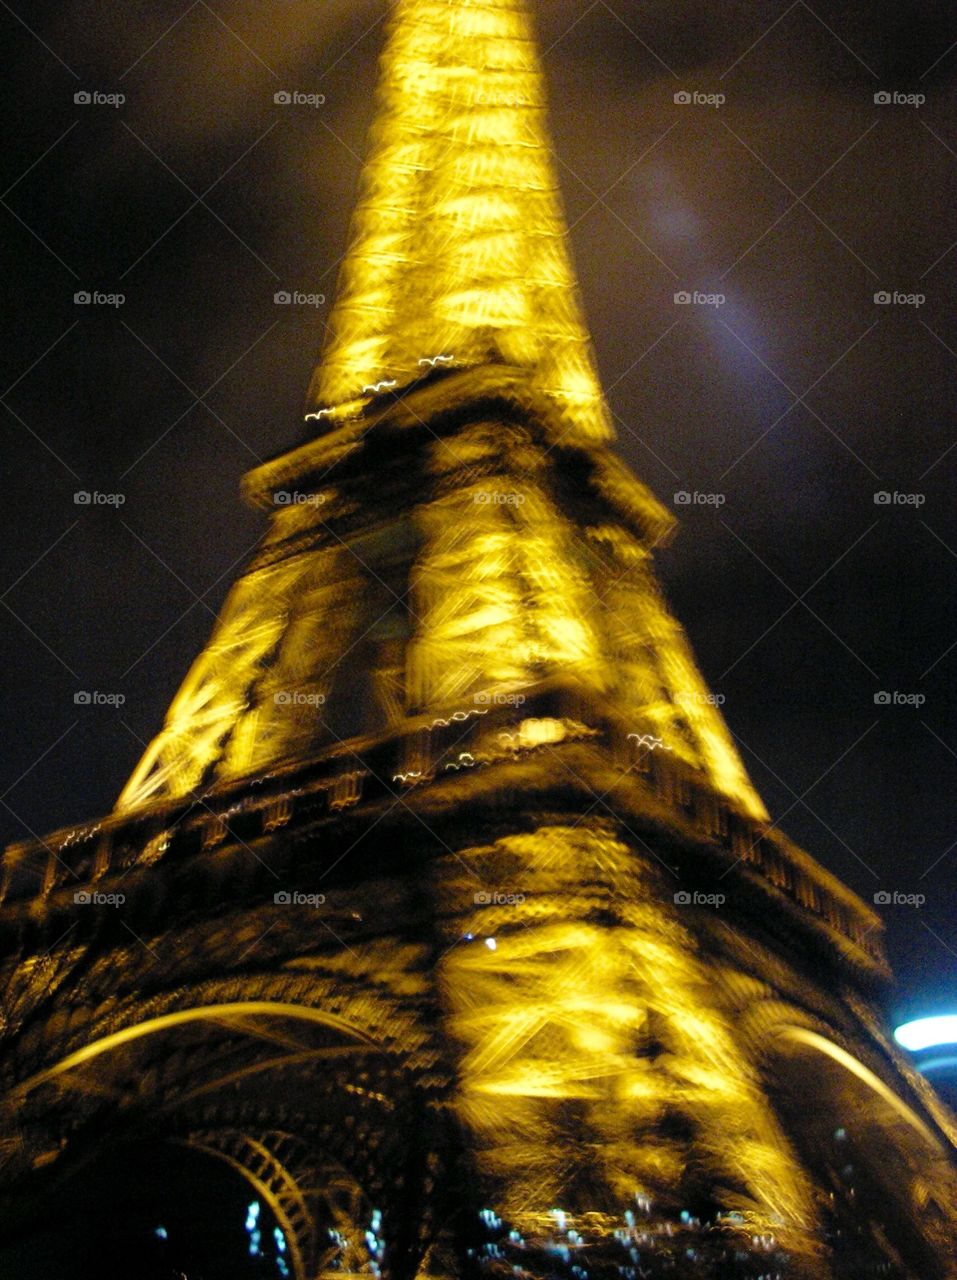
(450, 919)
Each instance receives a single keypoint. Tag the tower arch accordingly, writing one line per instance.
(878, 1165)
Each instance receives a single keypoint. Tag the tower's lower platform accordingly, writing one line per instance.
(508, 991)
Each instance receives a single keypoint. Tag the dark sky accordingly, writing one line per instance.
(798, 199)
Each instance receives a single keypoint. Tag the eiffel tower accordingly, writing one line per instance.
(441, 918)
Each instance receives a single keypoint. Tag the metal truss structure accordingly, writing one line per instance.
(442, 908)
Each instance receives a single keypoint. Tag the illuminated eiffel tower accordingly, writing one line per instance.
(451, 922)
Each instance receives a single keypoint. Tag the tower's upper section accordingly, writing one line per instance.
(457, 581)
(458, 249)
(457, 534)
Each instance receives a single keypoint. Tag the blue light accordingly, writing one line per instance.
(946, 1063)
(925, 1033)
(160, 1233)
(255, 1235)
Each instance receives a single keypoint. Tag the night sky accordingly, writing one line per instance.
(798, 199)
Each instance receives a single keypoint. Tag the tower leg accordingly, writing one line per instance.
(615, 1124)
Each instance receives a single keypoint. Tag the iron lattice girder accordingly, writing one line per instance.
(599, 994)
(459, 248)
(444, 595)
(347, 789)
(500, 994)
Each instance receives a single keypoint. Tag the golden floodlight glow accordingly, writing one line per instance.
(459, 240)
(489, 576)
(449, 689)
(561, 1010)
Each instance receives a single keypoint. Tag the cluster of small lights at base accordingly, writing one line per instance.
(374, 1242)
(254, 1232)
(281, 1265)
(252, 1228)
(640, 1244)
